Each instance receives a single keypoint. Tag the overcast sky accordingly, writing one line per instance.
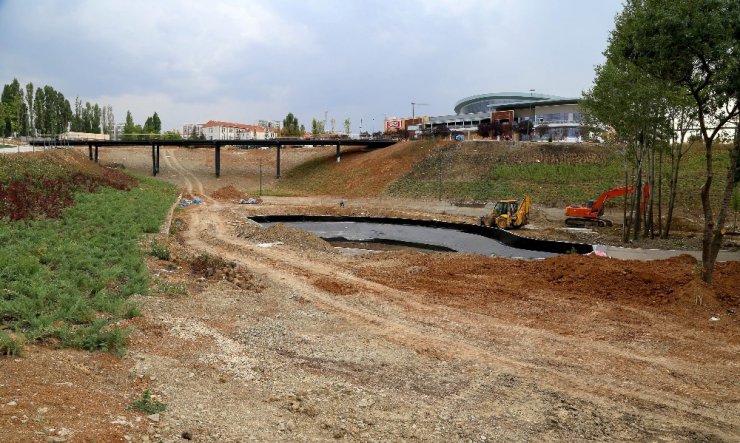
(243, 60)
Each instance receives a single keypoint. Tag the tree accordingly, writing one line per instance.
(693, 45)
(525, 127)
(13, 107)
(29, 103)
(171, 135)
(484, 129)
(109, 120)
(635, 107)
(156, 123)
(317, 127)
(347, 126)
(291, 127)
(129, 128)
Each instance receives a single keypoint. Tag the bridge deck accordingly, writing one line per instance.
(94, 145)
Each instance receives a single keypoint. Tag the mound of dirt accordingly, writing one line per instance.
(214, 267)
(228, 193)
(280, 232)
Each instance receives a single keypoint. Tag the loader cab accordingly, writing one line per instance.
(506, 207)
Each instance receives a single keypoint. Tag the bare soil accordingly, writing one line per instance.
(269, 335)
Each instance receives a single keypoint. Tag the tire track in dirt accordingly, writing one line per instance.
(169, 156)
(186, 172)
(396, 324)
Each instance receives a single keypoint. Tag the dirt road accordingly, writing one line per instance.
(307, 344)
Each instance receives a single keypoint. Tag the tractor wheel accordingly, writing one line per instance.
(501, 223)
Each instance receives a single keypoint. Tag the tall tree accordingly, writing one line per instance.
(129, 128)
(634, 106)
(13, 104)
(291, 126)
(347, 126)
(694, 45)
(29, 104)
(156, 124)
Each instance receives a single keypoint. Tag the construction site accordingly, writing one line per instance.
(269, 332)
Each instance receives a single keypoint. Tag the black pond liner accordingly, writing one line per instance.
(505, 237)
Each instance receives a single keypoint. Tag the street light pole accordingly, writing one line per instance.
(531, 115)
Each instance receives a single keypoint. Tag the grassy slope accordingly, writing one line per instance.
(554, 175)
(70, 278)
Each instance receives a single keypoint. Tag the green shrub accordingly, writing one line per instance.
(147, 405)
(160, 250)
(11, 344)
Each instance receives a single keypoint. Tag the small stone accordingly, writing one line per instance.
(11, 403)
(55, 439)
(153, 417)
(187, 435)
(127, 437)
(42, 410)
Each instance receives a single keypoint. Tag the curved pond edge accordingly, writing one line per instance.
(505, 237)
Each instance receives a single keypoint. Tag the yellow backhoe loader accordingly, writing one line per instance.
(508, 214)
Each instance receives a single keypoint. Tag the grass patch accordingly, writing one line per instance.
(70, 278)
(176, 289)
(147, 404)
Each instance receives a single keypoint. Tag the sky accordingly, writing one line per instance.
(248, 60)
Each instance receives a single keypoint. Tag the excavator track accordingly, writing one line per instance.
(580, 222)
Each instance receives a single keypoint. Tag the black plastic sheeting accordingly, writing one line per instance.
(505, 237)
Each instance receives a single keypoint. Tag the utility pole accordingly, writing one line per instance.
(413, 108)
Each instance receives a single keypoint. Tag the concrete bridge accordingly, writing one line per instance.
(93, 146)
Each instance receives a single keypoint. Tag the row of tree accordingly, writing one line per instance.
(672, 67)
(292, 128)
(43, 111)
(30, 111)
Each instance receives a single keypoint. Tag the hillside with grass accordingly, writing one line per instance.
(554, 174)
(69, 249)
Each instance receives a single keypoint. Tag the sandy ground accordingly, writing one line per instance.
(296, 342)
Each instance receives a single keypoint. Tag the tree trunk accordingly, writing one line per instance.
(714, 232)
(625, 221)
(676, 154)
(660, 193)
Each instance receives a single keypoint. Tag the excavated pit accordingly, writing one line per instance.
(367, 232)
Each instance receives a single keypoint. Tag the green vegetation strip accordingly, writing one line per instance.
(453, 176)
(70, 279)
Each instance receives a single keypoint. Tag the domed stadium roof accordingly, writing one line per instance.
(492, 101)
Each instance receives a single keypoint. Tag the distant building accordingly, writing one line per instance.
(556, 117)
(218, 130)
(275, 125)
(188, 128)
(117, 131)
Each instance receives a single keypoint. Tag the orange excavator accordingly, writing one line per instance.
(590, 214)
